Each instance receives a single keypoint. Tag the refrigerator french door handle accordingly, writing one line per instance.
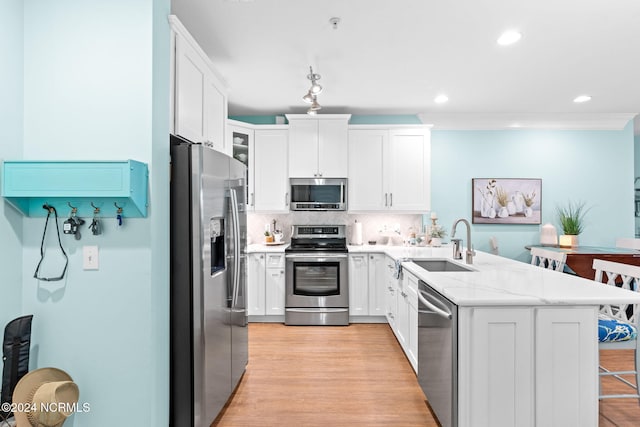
(235, 216)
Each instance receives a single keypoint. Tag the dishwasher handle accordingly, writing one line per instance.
(436, 310)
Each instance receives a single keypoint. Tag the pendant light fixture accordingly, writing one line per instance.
(311, 96)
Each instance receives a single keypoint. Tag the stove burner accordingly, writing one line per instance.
(314, 238)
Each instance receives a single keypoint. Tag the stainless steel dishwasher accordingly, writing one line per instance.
(438, 353)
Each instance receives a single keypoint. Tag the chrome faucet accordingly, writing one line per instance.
(470, 252)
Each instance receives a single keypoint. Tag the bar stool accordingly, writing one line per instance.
(546, 258)
(618, 324)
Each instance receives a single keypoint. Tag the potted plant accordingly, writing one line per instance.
(268, 238)
(571, 219)
(437, 232)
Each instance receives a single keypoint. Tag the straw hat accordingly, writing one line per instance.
(48, 396)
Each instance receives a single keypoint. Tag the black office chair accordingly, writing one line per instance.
(15, 355)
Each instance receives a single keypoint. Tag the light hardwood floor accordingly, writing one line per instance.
(347, 376)
(618, 412)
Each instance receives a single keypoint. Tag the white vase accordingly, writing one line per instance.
(492, 213)
(485, 208)
(511, 208)
(503, 213)
(436, 241)
(528, 212)
(518, 199)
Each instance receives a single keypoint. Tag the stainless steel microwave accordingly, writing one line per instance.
(318, 194)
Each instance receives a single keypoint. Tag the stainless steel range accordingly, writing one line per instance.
(317, 279)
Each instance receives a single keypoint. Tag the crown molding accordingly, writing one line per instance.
(514, 121)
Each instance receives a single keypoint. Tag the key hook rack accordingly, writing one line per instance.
(84, 186)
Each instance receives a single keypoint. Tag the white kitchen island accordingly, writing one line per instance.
(527, 341)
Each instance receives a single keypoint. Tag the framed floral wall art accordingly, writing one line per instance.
(506, 200)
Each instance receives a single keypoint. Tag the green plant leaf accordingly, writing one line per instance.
(571, 217)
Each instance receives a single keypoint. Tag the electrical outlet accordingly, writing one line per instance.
(90, 257)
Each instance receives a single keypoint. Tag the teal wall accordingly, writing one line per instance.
(96, 86)
(592, 166)
(385, 119)
(11, 122)
(407, 119)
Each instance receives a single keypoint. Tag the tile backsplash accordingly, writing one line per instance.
(373, 225)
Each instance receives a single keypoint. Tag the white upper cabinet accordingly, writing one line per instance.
(189, 79)
(270, 180)
(318, 146)
(389, 169)
(365, 183)
(215, 116)
(240, 138)
(409, 170)
(199, 94)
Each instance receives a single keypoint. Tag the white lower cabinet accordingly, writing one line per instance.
(527, 366)
(391, 286)
(410, 285)
(566, 367)
(256, 284)
(358, 285)
(266, 284)
(377, 282)
(406, 325)
(275, 284)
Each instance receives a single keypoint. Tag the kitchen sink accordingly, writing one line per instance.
(440, 265)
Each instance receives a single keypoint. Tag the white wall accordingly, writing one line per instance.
(11, 121)
(96, 86)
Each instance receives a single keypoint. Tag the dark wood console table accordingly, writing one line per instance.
(580, 258)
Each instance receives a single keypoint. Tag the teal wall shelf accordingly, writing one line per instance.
(85, 185)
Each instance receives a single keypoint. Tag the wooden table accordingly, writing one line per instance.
(580, 258)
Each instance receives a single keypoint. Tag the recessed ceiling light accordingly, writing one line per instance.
(441, 99)
(509, 37)
(582, 98)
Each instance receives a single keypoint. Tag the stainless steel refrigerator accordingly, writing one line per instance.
(208, 281)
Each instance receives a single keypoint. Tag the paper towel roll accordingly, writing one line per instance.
(356, 235)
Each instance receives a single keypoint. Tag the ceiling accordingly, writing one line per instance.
(393, 57)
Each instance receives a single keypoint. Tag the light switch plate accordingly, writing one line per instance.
(90, 258)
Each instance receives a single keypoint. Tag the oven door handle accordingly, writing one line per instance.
(436, 310)
(316, 256)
